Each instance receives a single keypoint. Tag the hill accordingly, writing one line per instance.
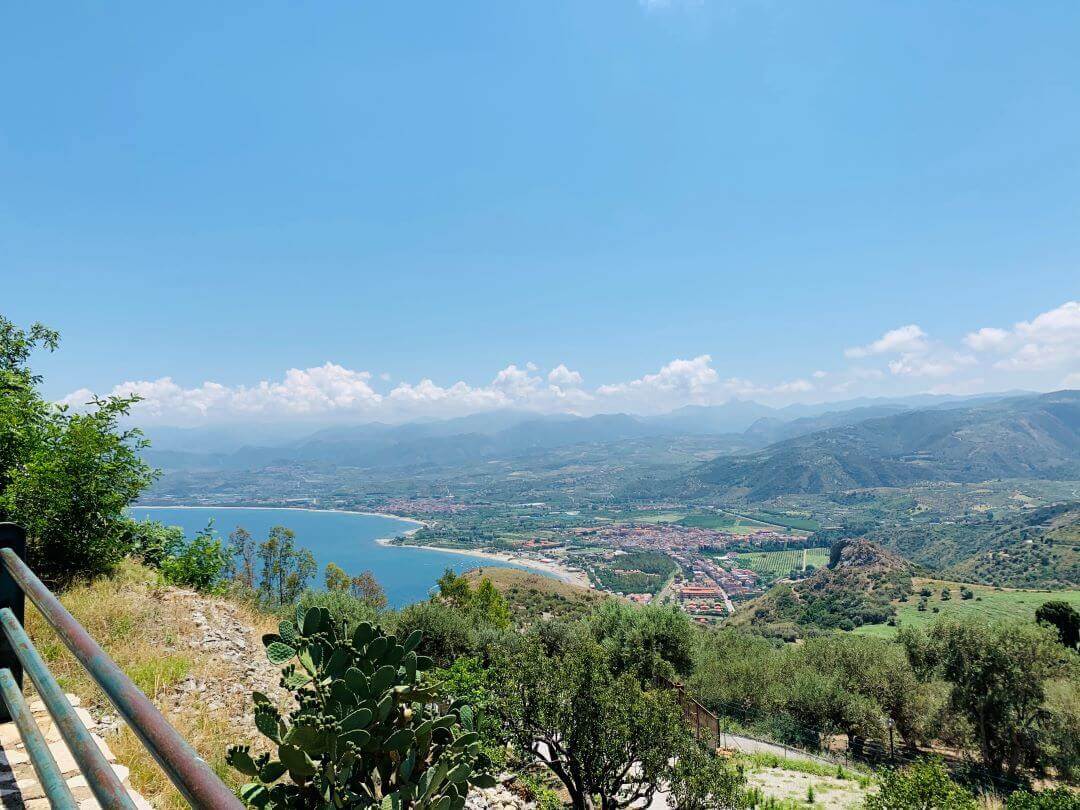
(858, 587)
(1025, 437)
(1034, 548)
(534, 596)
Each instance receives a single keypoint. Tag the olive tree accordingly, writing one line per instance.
(610, 741)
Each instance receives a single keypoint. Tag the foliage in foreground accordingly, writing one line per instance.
(367, 730)
(922, 786)
(66, 477)
(609, 738)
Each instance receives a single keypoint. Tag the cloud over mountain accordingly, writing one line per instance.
(1043, 352)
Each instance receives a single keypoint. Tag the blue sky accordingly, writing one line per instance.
(378, 194)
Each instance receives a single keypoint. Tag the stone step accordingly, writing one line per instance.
(19, 786)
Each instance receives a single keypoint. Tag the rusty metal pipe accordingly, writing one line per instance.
(48, 772)
(99, 774)
(197, 783)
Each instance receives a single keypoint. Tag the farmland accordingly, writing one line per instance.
(724, 522)
(987, 602)
(777, 564)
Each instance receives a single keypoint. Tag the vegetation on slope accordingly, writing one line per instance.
(1032, 437)
(858, 587)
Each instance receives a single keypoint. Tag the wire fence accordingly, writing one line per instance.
(715, 732)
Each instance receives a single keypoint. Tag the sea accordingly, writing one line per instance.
(345, 538)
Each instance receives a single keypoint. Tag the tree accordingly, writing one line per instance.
(998, 674)
(199, 564)
(66, 477)
(453, 589)
(488, 606)
(71, 487)
(285, 568)
(923, 786)
(367, 589)
(242, 549)
(1062, 616)
(336, 579)
(648, 641)
(608, 740)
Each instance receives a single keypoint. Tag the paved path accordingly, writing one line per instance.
(18, 783)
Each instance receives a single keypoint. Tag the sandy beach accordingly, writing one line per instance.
(556, 570)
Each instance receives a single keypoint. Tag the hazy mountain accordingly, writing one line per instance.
(731, 417)
(1027, 437)
(478, 437)
(771, 429)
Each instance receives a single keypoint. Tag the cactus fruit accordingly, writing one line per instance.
(370, 729)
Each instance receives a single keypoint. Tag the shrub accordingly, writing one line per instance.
(923, 786)
(447, 633)
(199, 564)
(70, 489)
(341, 604)
(367, 731)
(152, 541)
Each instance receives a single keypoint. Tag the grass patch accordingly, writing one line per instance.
(143, 634)
(987, 602)
(807, 766)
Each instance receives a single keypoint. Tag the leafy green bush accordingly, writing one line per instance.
(447, 632)
(923, 786)
(341, 604)
(367, 731)
(536, 791)
(152, 541)
(65, 477)
(199, 564)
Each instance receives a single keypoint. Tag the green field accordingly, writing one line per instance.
(798, 522)
(723, 522)
(776, 564)
(988, 603)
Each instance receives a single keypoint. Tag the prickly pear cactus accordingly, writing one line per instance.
(367, 731)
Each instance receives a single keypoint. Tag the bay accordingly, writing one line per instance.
(345, 538)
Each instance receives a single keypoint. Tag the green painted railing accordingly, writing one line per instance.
(194, 779)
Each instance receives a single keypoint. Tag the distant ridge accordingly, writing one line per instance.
(1025, 437)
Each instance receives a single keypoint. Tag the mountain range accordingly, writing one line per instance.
(1021, 437)
(739, 427)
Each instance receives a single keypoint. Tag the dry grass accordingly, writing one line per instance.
(144, 634)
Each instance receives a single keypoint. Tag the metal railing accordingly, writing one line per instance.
(196, 782)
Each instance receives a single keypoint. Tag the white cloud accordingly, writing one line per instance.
(1049, 340)
(1043, 353)
(913, 365)
(909, 339)
(564, 377)
(683, 381)
(986, 338)
(794, 387)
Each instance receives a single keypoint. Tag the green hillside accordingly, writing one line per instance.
(986, 602)
(1024, 437)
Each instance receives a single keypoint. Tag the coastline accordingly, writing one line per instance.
(419, 523)
(555, 570)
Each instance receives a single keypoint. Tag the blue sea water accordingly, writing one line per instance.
(348, 539)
